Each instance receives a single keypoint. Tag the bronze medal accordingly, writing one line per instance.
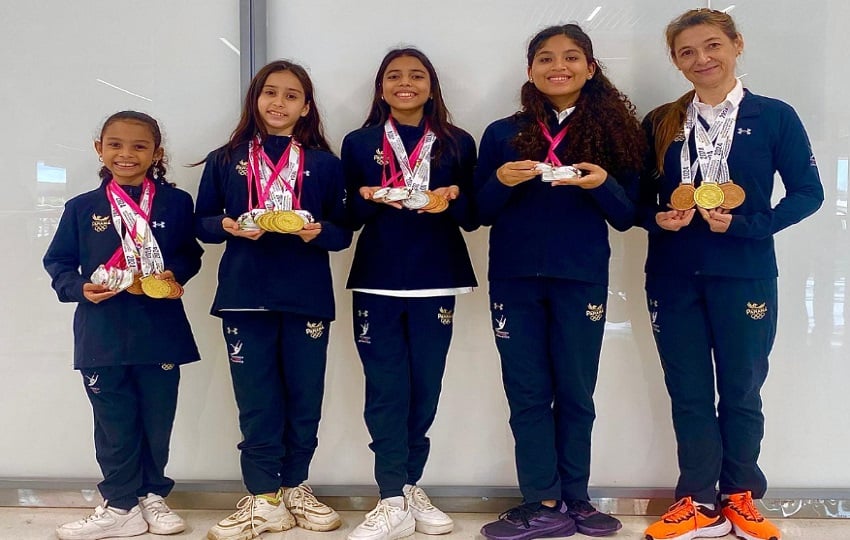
(682, 197)
(708, 195)
(733, 195)
(176, 290)
(136, 287)
(442, 205)
(155, 288)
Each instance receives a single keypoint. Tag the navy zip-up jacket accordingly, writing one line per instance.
(769, 137)
(404, 249)
(539, 230)
(126, 329)
(277, 272)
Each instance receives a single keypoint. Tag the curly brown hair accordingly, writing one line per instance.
(604, 127)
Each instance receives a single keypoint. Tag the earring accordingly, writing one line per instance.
(155, 167)
(100, 159)
(589, 76)
(531, 80)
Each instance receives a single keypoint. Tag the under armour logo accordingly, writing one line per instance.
(653, 303)
(742, 131)
(364, 313)
(232, 331)
(158, 224)
(498, 307)
(306, 173)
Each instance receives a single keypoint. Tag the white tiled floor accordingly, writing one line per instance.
(39, 524)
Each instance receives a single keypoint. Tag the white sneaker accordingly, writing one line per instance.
(254, 515)
(105, 522)
(429, 518)
(308, 511)
(385, 522)
(161, 519)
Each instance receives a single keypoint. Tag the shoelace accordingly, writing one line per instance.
(158, 507)
(302, 496)
(744, 505)
(421, 499)
(681, 511)
(98, 512)
(246, 505)
(381, 513)
(581, 506)
(522, 513)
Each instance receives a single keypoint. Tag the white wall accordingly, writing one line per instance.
(171, 52)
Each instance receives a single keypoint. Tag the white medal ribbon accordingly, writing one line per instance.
(142, 251)
(712, 146)
(417, 178)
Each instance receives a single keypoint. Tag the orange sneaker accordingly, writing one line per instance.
(746, 520)
(686, 520)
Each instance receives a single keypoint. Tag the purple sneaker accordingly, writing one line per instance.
(529, 521)
(591, 521)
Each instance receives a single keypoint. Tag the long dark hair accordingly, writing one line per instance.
(308, 129)
(436, 113)
(604, 127)
(157, 169)
(667, 121)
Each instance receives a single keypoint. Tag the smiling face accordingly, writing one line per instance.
(281, 103)
(406, 87)
(707, 57)
(127, 149)
(559, 70)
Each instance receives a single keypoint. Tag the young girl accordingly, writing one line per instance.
(275, 194)
(409, 174)
(117, 249)
(550, 179)
(711, 277)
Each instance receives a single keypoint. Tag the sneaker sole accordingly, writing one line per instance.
(426, 528)
(567, 530)
(745, 536)
(118, 534)
(304, 523)
(166, 530)
(248, 534)
(404, 533)
(587, 531)
(717, 531)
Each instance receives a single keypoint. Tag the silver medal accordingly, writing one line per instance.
(417, 200)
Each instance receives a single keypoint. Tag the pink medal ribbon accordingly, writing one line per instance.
(396, 178)
(113, 190)
(255, 178)
(553, 142)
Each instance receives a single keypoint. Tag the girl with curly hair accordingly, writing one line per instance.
(549, 180)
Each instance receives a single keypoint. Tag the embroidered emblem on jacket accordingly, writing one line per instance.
(595, 313)
(315, 330)
(653, 315)
(242, 168)
(233, 330)
(99, 223)
(680, 136)
(743, 131)
(379, 157)
(445, 316)
(235, 352)
(498, 307)
(167, 367)
(158, 224)
(500, 328)
(756, 311)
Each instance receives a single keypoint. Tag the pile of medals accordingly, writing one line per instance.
(708, 195)
(279, 221)
(122, 279)
(426, 201)
(550, 173)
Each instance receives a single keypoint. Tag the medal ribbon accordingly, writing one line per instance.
(553, 142)
(278, 186)
(417, 177)
(713, 146)
(139, 248)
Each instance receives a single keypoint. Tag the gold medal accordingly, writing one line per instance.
(155, 288)
(288, 221)
(708, 195)
(682, 197)
(733, 195)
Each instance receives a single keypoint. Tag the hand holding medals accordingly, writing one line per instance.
(432, 202)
